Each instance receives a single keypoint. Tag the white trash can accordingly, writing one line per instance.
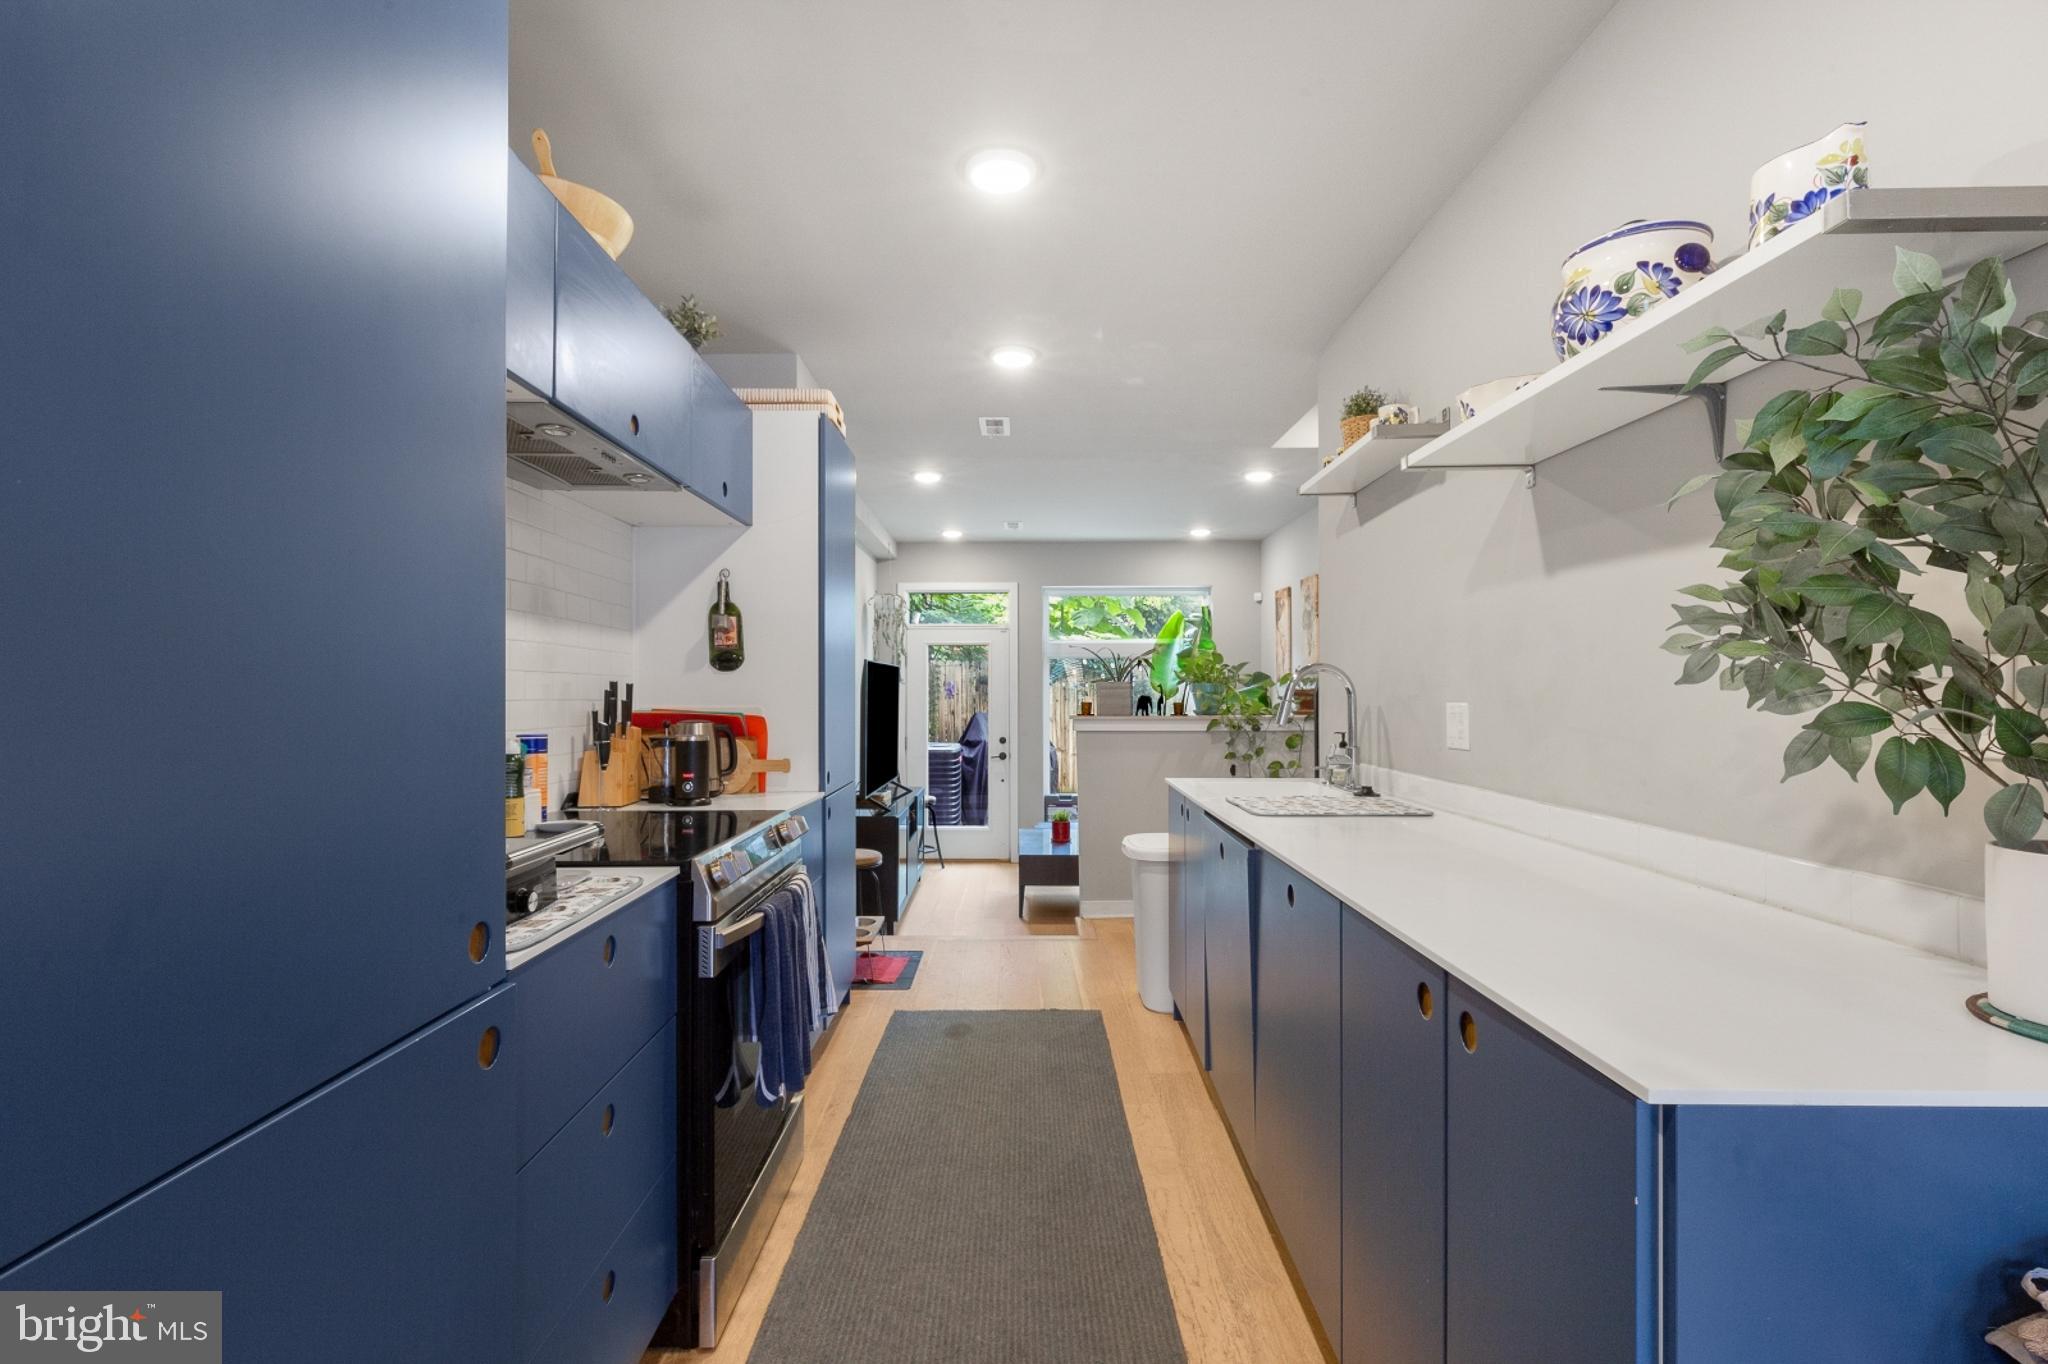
(1150, 855)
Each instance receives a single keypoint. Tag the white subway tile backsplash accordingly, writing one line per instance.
(568, 620)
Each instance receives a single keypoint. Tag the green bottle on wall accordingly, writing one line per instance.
(728, 642)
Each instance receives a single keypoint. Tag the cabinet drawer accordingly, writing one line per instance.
(586, 1007)
(614, 1313)
(578, 1194)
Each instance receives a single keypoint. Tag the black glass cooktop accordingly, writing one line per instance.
(663, 838)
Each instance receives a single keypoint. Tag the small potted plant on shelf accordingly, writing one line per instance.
(1062, 826)
(1913, 460)
(698, 326)
(1116, 674)
(1360, 409)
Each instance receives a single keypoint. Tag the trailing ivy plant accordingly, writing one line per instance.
(1917, 449)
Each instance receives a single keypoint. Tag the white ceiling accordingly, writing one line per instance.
(1221, 184)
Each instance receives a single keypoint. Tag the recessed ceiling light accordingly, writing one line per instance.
(1258, 475)
(1001, 170)
(927, 476)
(1200, 532)
(1012, 357)
(949, 534)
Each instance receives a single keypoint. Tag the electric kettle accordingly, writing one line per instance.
(689, 764)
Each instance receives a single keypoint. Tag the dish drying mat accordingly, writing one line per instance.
(577, 900)
(1336, 803)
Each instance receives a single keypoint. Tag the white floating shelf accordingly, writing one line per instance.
(1849, 244)
(1366, 458)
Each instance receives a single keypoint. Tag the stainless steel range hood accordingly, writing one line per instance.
(547, 448)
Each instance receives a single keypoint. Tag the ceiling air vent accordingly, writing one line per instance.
(995, 426)
(1013, 525)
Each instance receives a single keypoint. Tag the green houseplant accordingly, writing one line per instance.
(1359, 410)
(1914, 452)
(1062, 822)
(698, 326)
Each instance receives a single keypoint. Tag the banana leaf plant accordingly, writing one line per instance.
(1915, 452)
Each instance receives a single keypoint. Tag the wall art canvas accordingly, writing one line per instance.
(1283, 631)
(1311, 622)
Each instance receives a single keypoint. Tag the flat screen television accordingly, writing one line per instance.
(881, 712)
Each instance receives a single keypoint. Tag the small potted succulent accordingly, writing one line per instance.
(698, 326)
(1360, 410)
(1062, 826)
(1906, 474)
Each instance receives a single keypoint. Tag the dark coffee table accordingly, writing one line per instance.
(1042, 862)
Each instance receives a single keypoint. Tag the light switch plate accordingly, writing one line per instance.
(1457, 725)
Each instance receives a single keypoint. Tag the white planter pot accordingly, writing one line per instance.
(2016, 929)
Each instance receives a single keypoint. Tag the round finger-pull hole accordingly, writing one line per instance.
(1425, 999)
(1290, 896)
(633, 421)
(1468, 1031)
(479, 940)
(611, 1281)
(605, 1123)
(611, 949)
(487, 1048)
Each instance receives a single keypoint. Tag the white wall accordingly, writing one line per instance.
(568, 619)
(774, 566)
(1228, 568)
(1288, 555)
(1543, 609)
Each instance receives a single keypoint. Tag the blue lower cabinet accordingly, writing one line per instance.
(1393, 1149)
(1231, 960)
(614, 1312)
(587, 1006)
(1299, 1074)
(1850, 1233)
(578, 1194)
(1176, 909)
(370, 1220)
(841, 902)
(1550, 1202)
(1197, 875)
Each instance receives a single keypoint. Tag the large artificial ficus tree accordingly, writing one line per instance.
(1914, 451)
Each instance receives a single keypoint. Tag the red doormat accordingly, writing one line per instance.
(885, 970)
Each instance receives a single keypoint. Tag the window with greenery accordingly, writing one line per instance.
(959, 608)
(1106, 613)
(1100, 634)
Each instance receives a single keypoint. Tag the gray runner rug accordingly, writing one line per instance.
(983, 1204)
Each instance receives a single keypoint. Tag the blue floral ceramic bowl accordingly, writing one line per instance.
(1623, 274)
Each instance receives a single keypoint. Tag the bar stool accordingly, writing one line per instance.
(867, 864)
(928, 838)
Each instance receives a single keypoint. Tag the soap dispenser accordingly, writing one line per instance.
(1340, 768)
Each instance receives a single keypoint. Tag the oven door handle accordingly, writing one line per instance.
(724, 935)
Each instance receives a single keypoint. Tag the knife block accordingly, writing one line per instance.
(619, 782)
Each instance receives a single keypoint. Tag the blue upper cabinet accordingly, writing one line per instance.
(1299, 1076)
(620, 368)
(721, 446)
(837, 610)
(1550, 1201)
(529, 280)
(268, 353)
(1393, 1182)
(374, 1220)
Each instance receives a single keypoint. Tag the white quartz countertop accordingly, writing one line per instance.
(651, 879)
(1678, 993)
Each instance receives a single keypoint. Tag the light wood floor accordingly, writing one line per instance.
(1231, 1289)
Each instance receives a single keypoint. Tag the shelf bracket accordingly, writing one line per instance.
(1715, 396)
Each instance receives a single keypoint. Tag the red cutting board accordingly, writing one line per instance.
(739, 724)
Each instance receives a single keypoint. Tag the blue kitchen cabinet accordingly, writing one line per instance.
(1825, 1233)
(1549, 1201)
(370, 1220)
(529, 279)
(614, 1312)
(721, 444)
(838, 613)
(1394, 1009)
(588, 1005)
(1176, 907)
(620, 367)
(1197, 864)
(842, 904)
(263, 543)
(1232, 913)
(1299, 1074)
